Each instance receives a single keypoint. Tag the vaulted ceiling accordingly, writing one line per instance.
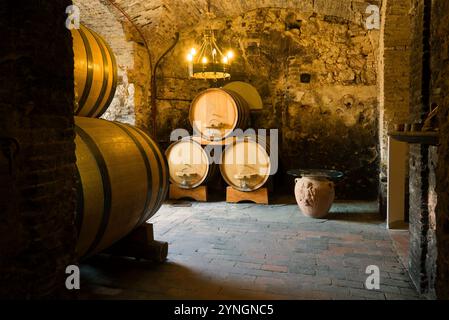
(160, 19)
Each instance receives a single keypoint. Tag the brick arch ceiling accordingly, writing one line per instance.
(99, 16)
(160, 19)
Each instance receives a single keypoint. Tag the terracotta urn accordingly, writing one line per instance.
(314, 195)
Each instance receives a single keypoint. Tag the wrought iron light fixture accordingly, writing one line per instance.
(209, 62)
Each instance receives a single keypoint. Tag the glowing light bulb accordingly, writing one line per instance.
(204, 60)
(190, 57)
(193, 52)
(225, 60)
(230, 54)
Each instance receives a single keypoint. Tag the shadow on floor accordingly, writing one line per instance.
(128, 278)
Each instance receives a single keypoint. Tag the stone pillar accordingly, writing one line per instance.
(394, 78)
(37, 201)
(419, 222)
(439, 90)
(423, 159)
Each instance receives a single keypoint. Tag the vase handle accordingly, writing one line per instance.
(297, 179)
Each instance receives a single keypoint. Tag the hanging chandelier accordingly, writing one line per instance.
(209, 62)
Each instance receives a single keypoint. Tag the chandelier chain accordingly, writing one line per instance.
(209, 62)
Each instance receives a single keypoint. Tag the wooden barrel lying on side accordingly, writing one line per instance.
(248, 92)
(95, 73)
(189, 164)
(215, 113)
(246, 163)
(122, 182)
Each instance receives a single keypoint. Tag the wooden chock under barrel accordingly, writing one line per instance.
(198, 194)
(259, 196)
(140, 244)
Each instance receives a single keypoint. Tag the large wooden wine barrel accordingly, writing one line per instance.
(215, 113)
(189, 164)
(95, 73)
(248, 92)
(246, 163)
(122, 181)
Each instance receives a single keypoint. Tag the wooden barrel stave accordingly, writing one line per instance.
(123, 181)
(248, 92)
(81, 67)
(243, 110)
(90, 194)
(95, 73)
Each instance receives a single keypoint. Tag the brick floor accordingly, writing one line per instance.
(247, 251)
(401, 244)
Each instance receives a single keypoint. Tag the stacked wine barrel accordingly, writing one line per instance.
(122, 173)
(95, 73)
(215, 114)
(246, 163)
(189, 164)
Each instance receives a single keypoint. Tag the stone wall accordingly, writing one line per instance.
(431, 236)
(330, 122)
(429, 178)
(423, 158)
(419, 217)
(36, 109)
(440, 88)
(394, 78)
(418, 158)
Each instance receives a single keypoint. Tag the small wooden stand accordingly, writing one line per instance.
(140, 244)
(198, 194)
(259, 196)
